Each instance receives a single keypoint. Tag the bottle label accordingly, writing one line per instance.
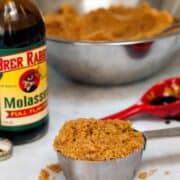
(23, 86)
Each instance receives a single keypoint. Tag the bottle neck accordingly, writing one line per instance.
(18, 14)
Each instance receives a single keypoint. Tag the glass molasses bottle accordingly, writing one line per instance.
(23, 72)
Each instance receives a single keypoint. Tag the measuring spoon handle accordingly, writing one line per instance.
(124, 114)
(169, 132)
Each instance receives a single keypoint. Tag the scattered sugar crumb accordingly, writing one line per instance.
(45, 172)
(54, 167)
(44, 175)
(143, 175)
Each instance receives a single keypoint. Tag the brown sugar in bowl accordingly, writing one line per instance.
(111, 62)
(116, 23)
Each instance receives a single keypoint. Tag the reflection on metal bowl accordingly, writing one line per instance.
(111, 63)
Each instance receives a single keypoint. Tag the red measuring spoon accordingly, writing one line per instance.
(162, 100)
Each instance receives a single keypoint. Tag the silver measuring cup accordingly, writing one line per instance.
(118, 169)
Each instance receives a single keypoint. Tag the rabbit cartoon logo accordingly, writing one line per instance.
(30, 80)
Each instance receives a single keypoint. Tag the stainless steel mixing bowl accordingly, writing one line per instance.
(112, 63)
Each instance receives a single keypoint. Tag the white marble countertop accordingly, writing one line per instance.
(69, 100)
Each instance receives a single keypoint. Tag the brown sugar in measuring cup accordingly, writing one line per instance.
(92, 149)
(115, 168)
(95, 140)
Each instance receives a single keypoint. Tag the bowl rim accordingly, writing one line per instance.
(107, 43)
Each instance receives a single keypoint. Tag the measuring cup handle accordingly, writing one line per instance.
(170, 132)
(137, 108)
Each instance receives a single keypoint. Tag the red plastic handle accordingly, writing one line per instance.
(123, 115)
